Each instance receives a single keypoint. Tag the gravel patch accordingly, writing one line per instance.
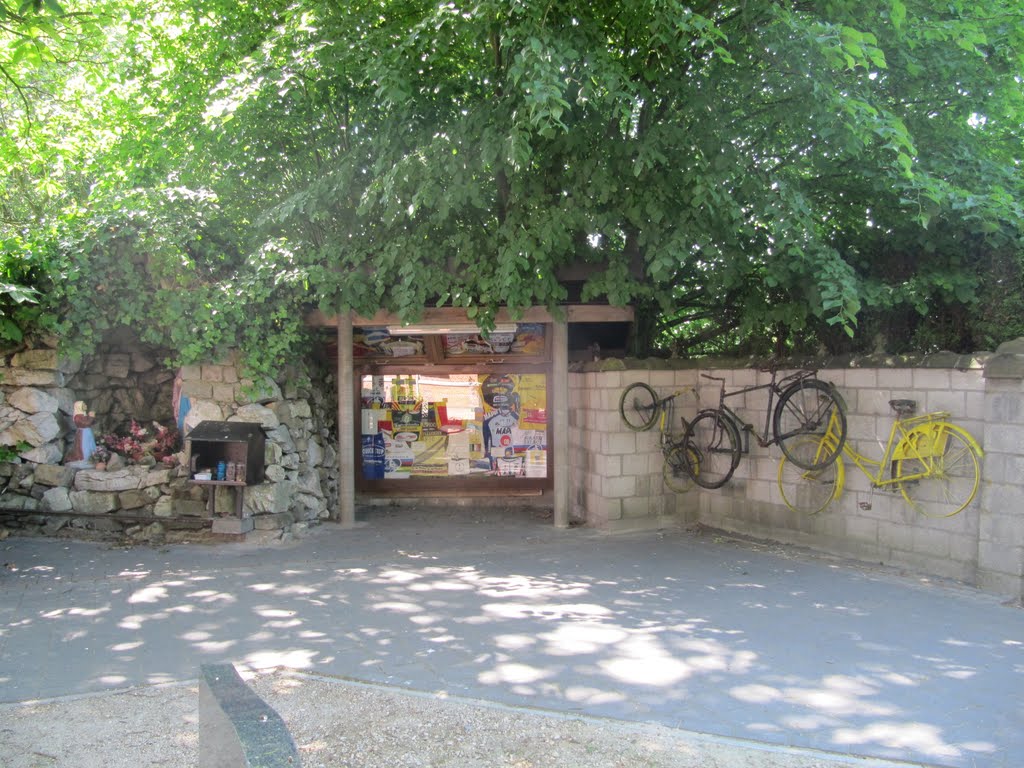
(339, 724)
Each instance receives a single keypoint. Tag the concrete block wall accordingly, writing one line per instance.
(983, 545)
(617, 473)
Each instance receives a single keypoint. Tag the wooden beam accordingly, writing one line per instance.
(443, 315)
(575, 313)
(599, 313)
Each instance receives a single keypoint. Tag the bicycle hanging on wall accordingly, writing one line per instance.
(804, 406)
(932, 462)
(640, 408)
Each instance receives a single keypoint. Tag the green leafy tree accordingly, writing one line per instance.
(802, 165)
(44, 46)
(762, 176)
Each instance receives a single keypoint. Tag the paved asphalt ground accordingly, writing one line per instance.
(685, 629)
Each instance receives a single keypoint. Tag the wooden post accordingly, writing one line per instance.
(346, 424)
(560, 422)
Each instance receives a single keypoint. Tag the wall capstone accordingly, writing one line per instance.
(1007, 362)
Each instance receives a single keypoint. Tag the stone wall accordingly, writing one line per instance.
(35, 405)
(299, 418)
(39, 494)
(617, 473)
(124, 380)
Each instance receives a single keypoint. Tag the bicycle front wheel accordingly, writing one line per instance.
(676, 469)
(638, 406)
(938, 469)
(809, 491)
(813, 408)
(713, 449)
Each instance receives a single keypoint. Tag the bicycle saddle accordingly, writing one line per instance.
(903, 407)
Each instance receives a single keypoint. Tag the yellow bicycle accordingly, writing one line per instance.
(932, 462)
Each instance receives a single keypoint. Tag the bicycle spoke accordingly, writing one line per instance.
(810, 408)
(675, 471)
(638, 406)
(959, 462)
(808, 490)
(807, 412)
(937, 483)
(714, 449)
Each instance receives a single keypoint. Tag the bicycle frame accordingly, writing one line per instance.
(665, 405)
(775, 388)
(933, 428)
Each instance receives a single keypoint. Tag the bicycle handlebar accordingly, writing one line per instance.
(678, 392)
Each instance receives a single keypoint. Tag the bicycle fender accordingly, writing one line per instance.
(840, 477)
(840, 400)
(929, 440)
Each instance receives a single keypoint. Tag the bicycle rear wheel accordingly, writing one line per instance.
(810, 407)
(809, 491)
(713, 449)
(675, 471)
(939, 469)
(638, 406)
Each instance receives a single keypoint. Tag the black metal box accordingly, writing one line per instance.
(233, 442)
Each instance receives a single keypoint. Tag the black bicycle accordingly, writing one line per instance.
(804, 406)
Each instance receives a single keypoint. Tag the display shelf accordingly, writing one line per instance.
(239, 485)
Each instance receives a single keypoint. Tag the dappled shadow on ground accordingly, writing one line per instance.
(660, 628)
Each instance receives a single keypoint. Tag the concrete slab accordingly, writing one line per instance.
(236, 525)
(691, 631)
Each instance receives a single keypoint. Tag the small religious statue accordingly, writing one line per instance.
(85, 441)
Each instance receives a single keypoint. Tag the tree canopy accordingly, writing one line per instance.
(756, 175)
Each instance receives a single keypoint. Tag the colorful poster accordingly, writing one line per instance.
(466, 344)
(378, 392)
(458, 445)
(501, 429)
(432, 421)
(509, 466)
(429, 458)
(373, 457)
(458, 466)
(398, 457)
(377, 342)
(527, 339)
(514, 421)
(533, 398)
(407, 422)
(536, 462)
